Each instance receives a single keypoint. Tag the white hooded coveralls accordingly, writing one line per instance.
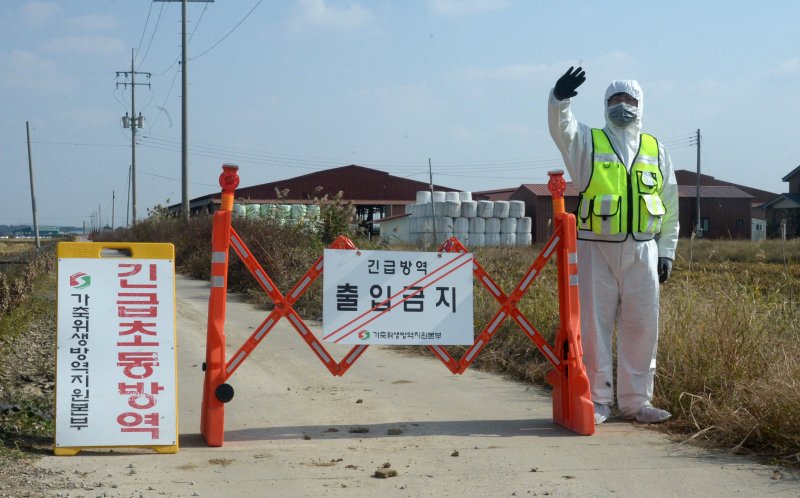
(618, 281)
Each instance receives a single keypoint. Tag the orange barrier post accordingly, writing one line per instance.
(572, 405)
(572, 401)
(215, 391)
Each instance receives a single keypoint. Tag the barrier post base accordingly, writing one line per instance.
(572, 401)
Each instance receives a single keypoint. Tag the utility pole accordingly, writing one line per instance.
(33, 196)
(133, 122)
(433, 204)
(184, 110)
(128, 202)
(699, 228)
(113, 206)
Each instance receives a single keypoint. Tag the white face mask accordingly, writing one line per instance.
(622, 114)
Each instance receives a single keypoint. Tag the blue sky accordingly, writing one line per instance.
(306, 85)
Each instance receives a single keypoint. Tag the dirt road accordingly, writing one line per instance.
(294, 430)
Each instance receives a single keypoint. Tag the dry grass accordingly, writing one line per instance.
(10, 247)
(730, 324)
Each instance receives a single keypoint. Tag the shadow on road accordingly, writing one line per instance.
(466, 428)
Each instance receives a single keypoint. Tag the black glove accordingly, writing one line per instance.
(664, 269)
(566, 84)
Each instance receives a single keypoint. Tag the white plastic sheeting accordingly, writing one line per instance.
(501, 209)
(485, 209)
(508, 225)
(477, 225)
(492, 226)
(524, 224)
(469, 209)
(516, 209)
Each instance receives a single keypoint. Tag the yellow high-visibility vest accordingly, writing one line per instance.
(617, 202)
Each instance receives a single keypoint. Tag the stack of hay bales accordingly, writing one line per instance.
(283, 214)
(474, 223)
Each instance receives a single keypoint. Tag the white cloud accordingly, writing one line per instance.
(89, 118)
(319, 13)
(789, 67)
(91, 22)
(85, 45)
(40, 13)
(513, 72)
(23, 70)
(466, 7)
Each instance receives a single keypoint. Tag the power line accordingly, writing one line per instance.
(229, 32)
(150, 44)
(144, 30)
(191, 35)
(502, 164)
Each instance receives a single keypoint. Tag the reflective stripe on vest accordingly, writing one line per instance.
(617, 203)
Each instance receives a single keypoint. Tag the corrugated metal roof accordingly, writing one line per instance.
(716, 192)
(366, 185)
(541, 190)
(501, 194)
(689, 178)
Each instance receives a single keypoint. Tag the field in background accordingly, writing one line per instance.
(730, 324)
(10, 247)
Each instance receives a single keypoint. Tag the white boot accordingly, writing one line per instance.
(647, 414)
(601, 413)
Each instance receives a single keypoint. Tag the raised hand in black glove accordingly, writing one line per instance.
(664, 269)
(566, 84)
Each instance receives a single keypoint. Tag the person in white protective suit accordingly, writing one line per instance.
(627, 233)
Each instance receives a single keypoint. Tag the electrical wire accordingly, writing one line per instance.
(144, 30)
(260, 156)
(155, 28)
(178, 57)
(162, 109)
(229, 32)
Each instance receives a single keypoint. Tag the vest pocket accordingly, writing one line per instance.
(648, 181)
(584, 213)
(651, 211)
(606, 216)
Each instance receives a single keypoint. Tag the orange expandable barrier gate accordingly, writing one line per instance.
(572, 404)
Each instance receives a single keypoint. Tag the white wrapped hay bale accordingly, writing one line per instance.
(508, 239)
(421, 239)
(252, 210)
(443, 224)
(524, 224)
(477, 239)
(462, 237)
(492, 226)
(422, 210)
(442, 237)
(283, 211)
(477, 225)
(492, 239)
(297, 211)
(239, 210)
(451, 196)
(452, 209)
(485, 209)
(516, 209)
(409, 209)
(465, 196)
(524, 239)
(469, 209)
(439, 196)
(421, 225)
(460, 225)
(423, 197)
(266, 210)
(508, 225)
(441, 208)
(501, 209)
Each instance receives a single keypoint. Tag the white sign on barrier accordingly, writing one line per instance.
(116, 367)
(395, 297)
